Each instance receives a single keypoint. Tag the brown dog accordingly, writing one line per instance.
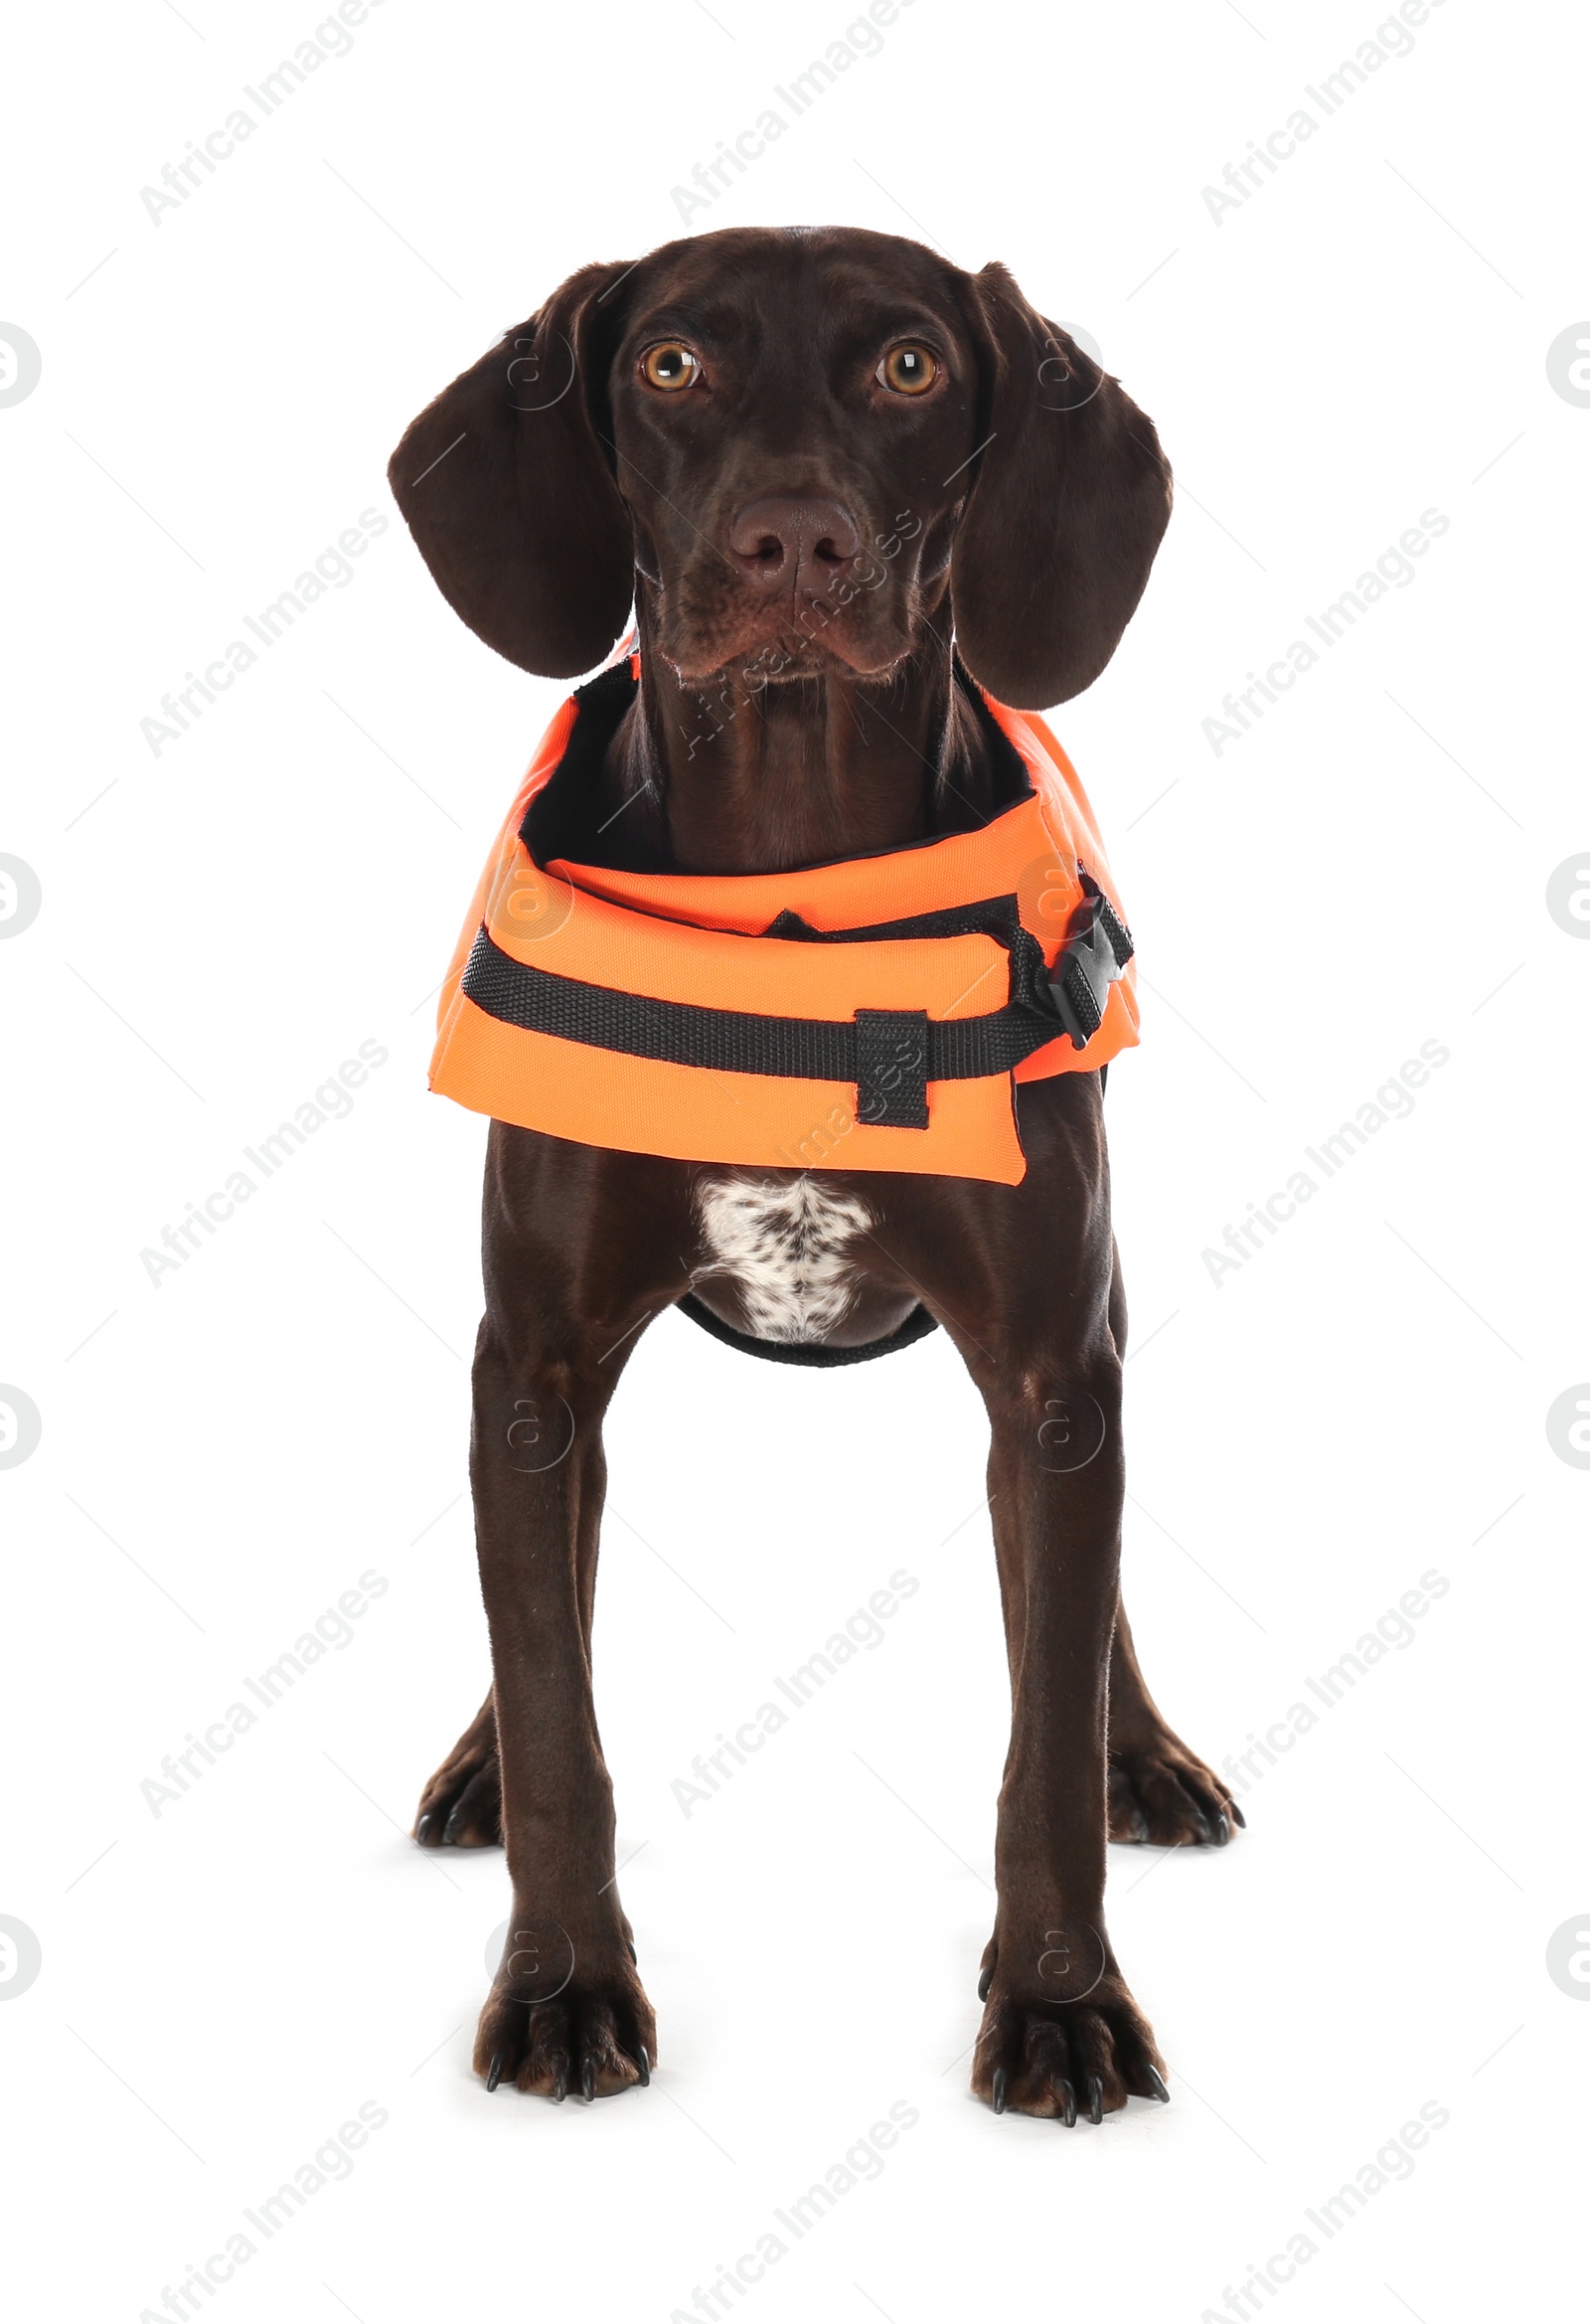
(713, 432)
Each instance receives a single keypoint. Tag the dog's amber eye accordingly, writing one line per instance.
(909, 370)
(669, 365)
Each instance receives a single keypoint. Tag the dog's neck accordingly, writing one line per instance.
(746, 778)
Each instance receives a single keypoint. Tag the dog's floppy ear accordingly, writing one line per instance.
(507, 485)
(1071, 497)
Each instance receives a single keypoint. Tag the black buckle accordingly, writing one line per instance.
(1098, 945)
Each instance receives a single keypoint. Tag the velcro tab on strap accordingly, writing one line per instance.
(891, 1068)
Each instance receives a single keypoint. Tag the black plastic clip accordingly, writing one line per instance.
(1098, 945)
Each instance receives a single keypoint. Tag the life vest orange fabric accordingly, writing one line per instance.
(595, 951)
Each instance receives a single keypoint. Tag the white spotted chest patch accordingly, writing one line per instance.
(786, 1248)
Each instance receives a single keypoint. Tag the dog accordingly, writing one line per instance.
(711, 434)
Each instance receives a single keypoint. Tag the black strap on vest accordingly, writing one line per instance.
(888, 1056)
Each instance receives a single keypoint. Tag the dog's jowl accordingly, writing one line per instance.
(787, 989)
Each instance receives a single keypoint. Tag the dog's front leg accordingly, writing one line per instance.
(567, 2009)
(1060, 2033)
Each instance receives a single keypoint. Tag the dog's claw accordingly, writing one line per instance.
(423, 1829)
(633, 1954)
(1160, 2090)
(587, 2077)
(985, 1980)
(560, 2087)
(1140, 1825)
(999, 2084)
(645, 2064)
(1236, 1815)
(1222, 1831)
(1068, 2103)
(494, 2076)
(1095, 2099)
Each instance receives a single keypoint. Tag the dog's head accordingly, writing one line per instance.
(787, 445)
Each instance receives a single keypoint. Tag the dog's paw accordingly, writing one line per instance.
(462, 1804)
(596, 2039)
(1066, 2060)
(1165, 1795)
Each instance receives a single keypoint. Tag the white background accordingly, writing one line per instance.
(223, 1983)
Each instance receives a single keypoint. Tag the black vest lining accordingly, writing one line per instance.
(916, 1326)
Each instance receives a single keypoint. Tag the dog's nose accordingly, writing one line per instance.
(786, 537)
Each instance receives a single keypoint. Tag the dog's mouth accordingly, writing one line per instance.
(849, 634)
(784, 656)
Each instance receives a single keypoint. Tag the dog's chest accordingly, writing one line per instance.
(789, 1246)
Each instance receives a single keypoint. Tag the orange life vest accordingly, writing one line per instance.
(870, 1014)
